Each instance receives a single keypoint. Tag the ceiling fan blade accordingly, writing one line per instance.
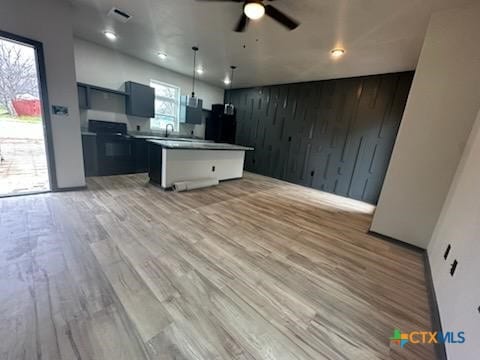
(283, 19)
(242, 23)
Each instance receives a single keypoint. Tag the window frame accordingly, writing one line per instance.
(175, 101)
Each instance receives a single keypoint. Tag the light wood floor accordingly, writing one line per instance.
(252, 269)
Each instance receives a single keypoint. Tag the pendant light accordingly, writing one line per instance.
(193, 101)
(229, 108)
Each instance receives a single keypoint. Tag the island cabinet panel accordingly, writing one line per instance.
(184, 165)
(155, 163)
(173, 161)
(140, 155)
(333, 135)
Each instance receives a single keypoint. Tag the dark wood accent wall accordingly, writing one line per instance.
(333, 135)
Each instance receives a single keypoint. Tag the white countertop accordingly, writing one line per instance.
(170, 138)
(193, 145)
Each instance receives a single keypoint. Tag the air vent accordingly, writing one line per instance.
(119, 15)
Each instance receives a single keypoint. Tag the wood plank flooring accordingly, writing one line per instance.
(252, 269)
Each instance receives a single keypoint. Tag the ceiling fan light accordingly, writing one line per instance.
(254, 10)
(338, 52)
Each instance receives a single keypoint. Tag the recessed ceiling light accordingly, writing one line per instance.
(162, 56)
(254, 10)
(337, 52)
(110, 35)
(200, 71)
(227, 81)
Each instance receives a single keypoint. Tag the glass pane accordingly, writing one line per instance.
(162, 90)
(166, 106)
(160, 122)
(163, 107)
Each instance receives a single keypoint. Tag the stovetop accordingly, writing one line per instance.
(107, 127)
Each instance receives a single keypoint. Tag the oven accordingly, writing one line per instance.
(115, 149)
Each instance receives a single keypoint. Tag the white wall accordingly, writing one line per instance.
(102, 66)
(459, 225)
(439, 114)
(48, 21)
(187, 165)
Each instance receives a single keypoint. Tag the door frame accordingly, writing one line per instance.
(43, 92)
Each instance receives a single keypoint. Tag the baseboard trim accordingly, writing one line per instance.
(397, 242)
(24, 194)
(440, 349)
(73, 188)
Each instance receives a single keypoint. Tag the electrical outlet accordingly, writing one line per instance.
(138, 127)
(454, 267)
(213, 168)
(447, 251)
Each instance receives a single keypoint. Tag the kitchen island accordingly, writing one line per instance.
(175, 161)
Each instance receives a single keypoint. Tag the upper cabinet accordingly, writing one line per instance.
(140, 100)
(136, 100)
(190, 114)
(83, 96)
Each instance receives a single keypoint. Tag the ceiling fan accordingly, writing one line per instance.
(255, 9)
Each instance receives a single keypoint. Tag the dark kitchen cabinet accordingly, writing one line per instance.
(115, 155)
(89, 145)
(140, 100)
(219, 126)
(83, 96)
(191, 114)
(141, 155)
(105, 155)
(155, 163)
(93, 97)
(136, 100)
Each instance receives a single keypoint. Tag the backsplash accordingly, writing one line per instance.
(186, 130)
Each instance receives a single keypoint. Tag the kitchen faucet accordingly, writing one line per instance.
(166, 129)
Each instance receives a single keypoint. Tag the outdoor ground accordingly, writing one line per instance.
(23, 167)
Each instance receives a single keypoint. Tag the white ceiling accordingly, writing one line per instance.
(379, 36)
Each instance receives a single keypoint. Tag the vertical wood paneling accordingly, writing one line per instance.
(333, 135)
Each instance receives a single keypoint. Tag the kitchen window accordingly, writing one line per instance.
(167, 105)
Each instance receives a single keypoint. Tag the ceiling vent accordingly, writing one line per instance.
(119, 15)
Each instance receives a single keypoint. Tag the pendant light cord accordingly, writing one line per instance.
(231, 83)
(195, 49)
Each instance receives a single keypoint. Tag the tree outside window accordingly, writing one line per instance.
(167, 105)
(18, 76)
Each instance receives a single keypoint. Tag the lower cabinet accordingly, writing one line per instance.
(141, 156)
(112, 155)
(155, 163)
(90, 163)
